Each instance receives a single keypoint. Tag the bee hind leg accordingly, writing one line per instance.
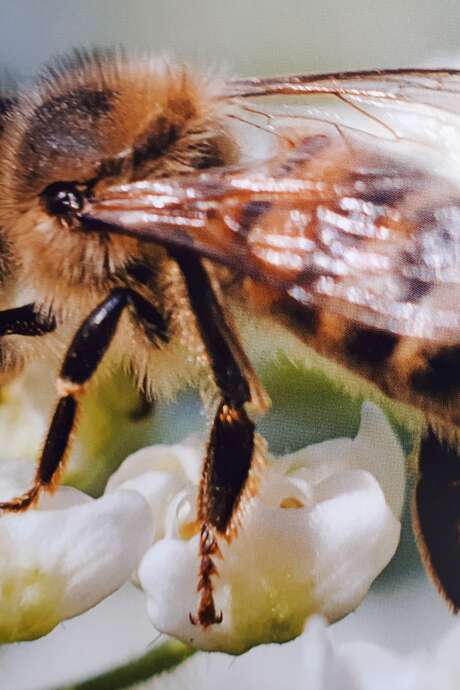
(226, 474)
(437, 515)
(81, 361)
(227, 469)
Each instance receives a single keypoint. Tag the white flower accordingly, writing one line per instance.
(63, 558)
(312, 662)
(314, 539)
(315, 662)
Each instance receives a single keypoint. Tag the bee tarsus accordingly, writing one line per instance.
(209, 550)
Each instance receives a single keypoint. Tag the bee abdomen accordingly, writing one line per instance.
(369, 347)
(439, 377)
(410, 370)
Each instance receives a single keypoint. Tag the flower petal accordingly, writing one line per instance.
(160, 473)
(270, 667)
(333, 529)
(325, 559)
(355, 535)
(62, 559)
(375, 448)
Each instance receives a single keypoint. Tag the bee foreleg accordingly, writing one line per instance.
(437, 515)
(22, 321)
(81, 361)
(26, 320)
(231, 447)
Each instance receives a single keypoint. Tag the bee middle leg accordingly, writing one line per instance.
(232, 443)
(81, 361)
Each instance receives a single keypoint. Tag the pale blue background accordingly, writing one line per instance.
(250, 36)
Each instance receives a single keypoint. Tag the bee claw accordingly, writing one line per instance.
(205, 619)
(20, 503)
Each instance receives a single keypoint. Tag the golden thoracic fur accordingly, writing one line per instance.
(95, 119)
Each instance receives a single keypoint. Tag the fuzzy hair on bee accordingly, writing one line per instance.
(92, 119)
(96, 119)
(149, 213)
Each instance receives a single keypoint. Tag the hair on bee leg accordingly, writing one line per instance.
(81, 361)
(230, 455)
(225, 476)
(227, 467)
(52, 460)
(26, 321)
(209, 549)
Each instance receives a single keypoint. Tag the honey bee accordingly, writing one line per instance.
(142, 206)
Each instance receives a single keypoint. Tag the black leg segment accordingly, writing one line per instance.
(26, 321)
(230, 451)
(82, 359)
(227, 464)
(231, 445)
(221, 344)
(94, 336)
(57, 439)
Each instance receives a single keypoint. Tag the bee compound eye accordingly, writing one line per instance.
(62, 199)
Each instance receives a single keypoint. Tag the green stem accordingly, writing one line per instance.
(162, 658)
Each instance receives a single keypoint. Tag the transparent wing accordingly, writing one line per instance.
(408, 82)
(365, 223)
(412, 107)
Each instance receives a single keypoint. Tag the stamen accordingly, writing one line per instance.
(189, 529)
(291, 502)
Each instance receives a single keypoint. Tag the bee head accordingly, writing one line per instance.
(90, 121)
